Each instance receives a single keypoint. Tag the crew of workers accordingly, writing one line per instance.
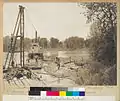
(57, 61)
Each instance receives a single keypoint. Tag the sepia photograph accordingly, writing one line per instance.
(59, 44)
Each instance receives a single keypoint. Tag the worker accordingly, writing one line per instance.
(12, 63)
(36, 59)
(70, 59)
(58, 62)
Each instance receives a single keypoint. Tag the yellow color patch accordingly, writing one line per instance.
(62, 93)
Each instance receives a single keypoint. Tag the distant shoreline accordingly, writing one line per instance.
(58, 49)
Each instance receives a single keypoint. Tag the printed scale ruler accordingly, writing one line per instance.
(73, 98)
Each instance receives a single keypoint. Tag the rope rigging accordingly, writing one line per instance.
(28, 16)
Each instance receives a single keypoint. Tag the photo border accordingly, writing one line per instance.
(90, 90)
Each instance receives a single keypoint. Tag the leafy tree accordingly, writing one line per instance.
(27, 42)
(6, 42)
(103, 30)
(74, 43)
(43, 42)
(54, 42)
(87, 42)
(61, 44)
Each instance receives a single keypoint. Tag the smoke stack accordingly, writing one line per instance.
(36, 36)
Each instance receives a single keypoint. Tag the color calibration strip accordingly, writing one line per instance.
(48, 91)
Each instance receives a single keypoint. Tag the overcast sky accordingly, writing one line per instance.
(60, 20)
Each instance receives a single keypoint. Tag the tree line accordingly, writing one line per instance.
(70, 43)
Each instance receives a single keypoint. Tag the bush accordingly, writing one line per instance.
(96, 73)
(110, 76)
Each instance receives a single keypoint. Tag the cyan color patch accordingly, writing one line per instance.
(75, 93)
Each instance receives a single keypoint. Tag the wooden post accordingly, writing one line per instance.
(20, 8)
(22, 36)
(23, 39)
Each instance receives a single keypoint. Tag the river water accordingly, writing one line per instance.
(61, 54)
